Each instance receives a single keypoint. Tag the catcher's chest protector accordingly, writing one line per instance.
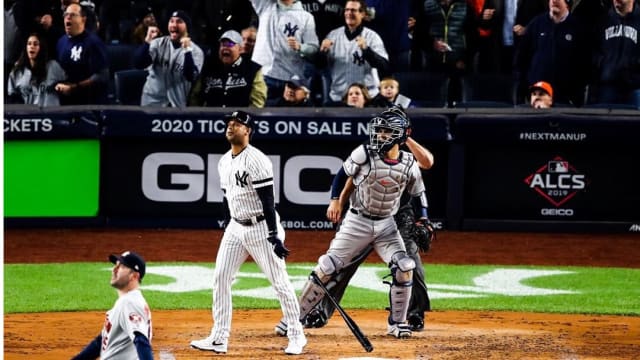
(380, 184)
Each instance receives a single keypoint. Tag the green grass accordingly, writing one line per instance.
(85, 286)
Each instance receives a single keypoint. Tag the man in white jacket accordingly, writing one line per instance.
(286, 39)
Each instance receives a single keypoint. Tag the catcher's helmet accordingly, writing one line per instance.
(241, 117)
(387, 129)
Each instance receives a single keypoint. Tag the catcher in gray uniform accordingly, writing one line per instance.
(416, 235)
(380, 172)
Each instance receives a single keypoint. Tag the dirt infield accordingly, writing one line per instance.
(447, 335)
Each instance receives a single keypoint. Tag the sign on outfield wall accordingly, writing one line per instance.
(558, 168)
(163, 166)
(51, 163)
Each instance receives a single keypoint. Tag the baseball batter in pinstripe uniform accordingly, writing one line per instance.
(126, 333)
(381, 172)
(354, 53)
(246, 178)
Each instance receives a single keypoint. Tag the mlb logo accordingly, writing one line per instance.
(558, 167)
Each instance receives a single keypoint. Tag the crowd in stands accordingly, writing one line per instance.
(356, 53)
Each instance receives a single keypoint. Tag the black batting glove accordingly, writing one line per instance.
(278, 247)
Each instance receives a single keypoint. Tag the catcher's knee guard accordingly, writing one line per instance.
(400, 293)
(312, 294)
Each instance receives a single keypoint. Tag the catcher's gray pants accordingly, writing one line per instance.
(419, 302)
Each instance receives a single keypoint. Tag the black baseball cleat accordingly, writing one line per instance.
(416, 323)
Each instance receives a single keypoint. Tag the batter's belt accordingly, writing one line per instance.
(370, 217)
(250, 221)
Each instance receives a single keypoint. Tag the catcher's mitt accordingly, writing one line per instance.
(424, 234)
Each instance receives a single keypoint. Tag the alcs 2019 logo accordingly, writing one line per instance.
(557, 181)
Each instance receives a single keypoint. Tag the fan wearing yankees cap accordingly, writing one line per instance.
(126, 333)
(228, 79)
(173, 61)
(253, 229)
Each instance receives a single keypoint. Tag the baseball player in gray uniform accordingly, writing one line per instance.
(355, 53)
(381, 172)
(246, 178)
(173, 61)
(126, 333)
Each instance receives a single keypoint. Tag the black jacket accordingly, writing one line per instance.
(618, 55)
(224, 86)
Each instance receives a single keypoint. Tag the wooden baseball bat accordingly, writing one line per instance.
(362, 339)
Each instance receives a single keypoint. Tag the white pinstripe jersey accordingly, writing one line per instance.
(347, 63)
(240, 176)
(129, 314)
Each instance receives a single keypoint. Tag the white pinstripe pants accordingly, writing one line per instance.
(238, 243)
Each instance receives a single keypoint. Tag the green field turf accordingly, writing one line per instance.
(85, 286)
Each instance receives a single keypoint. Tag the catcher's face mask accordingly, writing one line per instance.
(386, 130)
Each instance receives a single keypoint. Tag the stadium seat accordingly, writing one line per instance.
(425, 89)
(128, 86)
(488, 90)
(120, 58)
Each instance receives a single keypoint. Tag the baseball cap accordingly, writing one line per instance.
(542, 85)
(131, 260)
(295, 82)
(233, 36)
(241, 117)
(184, 16)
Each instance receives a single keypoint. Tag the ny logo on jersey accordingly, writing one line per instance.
(358, 59)
(241, 179)
(76, 53)
(290, 31)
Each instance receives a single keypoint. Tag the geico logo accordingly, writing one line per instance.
(187, 177)
(555, 181)
(557, 212)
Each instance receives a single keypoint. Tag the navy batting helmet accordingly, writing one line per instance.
(241, 117)
(387, 129)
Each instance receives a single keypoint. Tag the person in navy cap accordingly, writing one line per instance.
(126, 333)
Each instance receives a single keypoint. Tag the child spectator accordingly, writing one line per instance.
(389, 91)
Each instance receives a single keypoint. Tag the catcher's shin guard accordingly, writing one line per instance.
(400, 293)
(311, 295)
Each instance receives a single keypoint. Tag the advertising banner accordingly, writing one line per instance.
(24, 123)
(550, 168)
(174, 179)
(51, 163)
